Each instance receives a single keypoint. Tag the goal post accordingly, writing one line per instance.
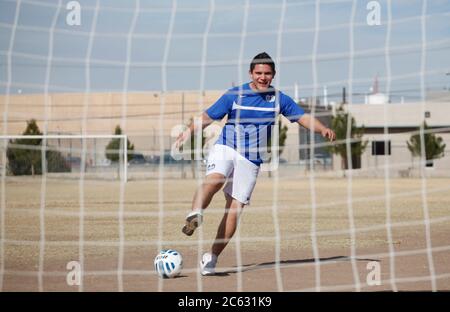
(69, 150)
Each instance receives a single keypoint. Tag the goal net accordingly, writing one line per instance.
(82, 209)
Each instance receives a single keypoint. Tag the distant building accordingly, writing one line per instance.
(376, 97)
(388, 126)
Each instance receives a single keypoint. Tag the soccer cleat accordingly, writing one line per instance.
(193, 221)
(208, 264)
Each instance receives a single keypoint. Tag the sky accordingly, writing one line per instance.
(143, 46)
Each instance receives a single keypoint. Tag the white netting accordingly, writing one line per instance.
(150, 67)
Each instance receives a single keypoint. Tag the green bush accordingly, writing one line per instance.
(25, 155)
(113, 148)
(56, 162)
(434, 146)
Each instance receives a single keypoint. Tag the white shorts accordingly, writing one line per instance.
(240, 172)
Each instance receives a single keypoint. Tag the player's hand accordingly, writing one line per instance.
(328, 133)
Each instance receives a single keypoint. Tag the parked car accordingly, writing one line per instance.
(168, 159)
(138, 159)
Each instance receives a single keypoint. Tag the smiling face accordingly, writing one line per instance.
(262, 76)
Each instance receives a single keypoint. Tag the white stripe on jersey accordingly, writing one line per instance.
(255, 108)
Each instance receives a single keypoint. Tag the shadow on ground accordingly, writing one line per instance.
(284, 263)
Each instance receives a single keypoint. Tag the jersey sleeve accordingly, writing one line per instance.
(290, 109)
(221, 107)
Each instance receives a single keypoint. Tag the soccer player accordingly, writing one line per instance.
(234, 160)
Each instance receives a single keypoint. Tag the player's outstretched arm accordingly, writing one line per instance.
(186, 134)
(315, 125)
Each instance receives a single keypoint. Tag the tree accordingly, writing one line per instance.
(24, 158)
(434, 146)
(113, 147)
(25, 155)
(339, 124)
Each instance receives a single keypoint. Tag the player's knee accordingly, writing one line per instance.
(236, 205)
(213, 186)
(214, 182)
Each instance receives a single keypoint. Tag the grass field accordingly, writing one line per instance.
(250, 262)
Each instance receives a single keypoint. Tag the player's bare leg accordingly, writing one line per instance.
(202, 198)
(228, 225)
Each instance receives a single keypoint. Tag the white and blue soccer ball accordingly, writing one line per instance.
(168, 263)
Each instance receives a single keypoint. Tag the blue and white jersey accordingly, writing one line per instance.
(251, 116)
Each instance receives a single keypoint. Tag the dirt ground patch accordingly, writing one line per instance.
(279, 245)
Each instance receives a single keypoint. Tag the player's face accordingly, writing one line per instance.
(261, 76)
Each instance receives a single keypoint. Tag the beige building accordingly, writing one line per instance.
(149, 119)
(391, 125)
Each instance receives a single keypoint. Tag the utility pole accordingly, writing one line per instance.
(344, 100)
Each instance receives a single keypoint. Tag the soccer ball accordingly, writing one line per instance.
(168, 263)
